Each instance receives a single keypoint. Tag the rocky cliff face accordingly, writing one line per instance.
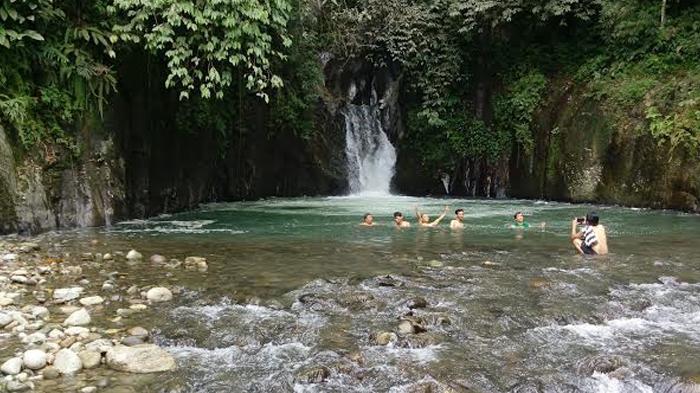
(41, 193)
(581, 156)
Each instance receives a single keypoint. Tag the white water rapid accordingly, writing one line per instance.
(370, 155)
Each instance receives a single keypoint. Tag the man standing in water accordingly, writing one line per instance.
(367, 220)
(399, 221)
(424, 219)
(458, 222)
(592, 240)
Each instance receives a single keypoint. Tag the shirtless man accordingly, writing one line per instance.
(367, 220)
(592, 239)
(424, 219)
(458, 222)
(399, 221)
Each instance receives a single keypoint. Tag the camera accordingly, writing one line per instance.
(580, 220)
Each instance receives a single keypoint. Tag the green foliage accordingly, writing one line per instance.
(207, 42)
(515, 108)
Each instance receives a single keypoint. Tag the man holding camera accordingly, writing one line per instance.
(592, 239)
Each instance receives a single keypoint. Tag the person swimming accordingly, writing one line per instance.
(424, 219)
(458, 221)
(367, 220)
(519, 221)
(399, 220)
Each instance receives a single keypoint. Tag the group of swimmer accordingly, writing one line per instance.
(591, 239)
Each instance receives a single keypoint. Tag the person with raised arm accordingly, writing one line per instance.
(592, 239)
(424, 219)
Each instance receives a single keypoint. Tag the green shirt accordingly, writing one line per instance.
(520, 225)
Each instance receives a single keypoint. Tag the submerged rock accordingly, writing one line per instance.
(78, 318)
(158, 259)
(90, 359)
(198, 263)
(603, 364)
(159, 294)
(316, 374)
(144, 358)
(417, 302)
(63, 295)
(91, 300)
(133, 255)
(383, 338)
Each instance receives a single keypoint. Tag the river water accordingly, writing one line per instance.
(296, 292)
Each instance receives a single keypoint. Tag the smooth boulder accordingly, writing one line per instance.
(78, 318)
(159, 294)
(62, 295)
(34, 359)
(141, 359)
(133, 255)
(12, 366)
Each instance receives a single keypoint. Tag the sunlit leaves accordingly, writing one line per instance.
(209, 43)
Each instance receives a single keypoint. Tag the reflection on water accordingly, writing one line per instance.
(295, 286)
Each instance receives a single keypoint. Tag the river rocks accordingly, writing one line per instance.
(405, 327)
(63, 295)
(90, 359)
(144, 358)
(159, 294)
(67, 362)
(101, 345)
(107, 257)
(383, 338)
(134, 255)
(5, 319)
(40, 312)
(76, 331)
(91, 300)
(12, 366)
(17, 386)
(315, 374)
(602, 364)
(417, 302)
(131, 341)
(388, 281)
(9, 257)
(158, 259)
(34, 359)
(78, 318)
(198, 263)
(50, 372)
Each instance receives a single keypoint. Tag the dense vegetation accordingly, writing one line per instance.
(477, 71)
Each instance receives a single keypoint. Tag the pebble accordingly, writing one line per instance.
(34, 359)
(67, 362)
(159, 294)
(417, 302)
(144, 358)
(40, 312)
(90, 359)
(76, 330)
(159, 259)
(131, 341)
(12, 366)
(63, 295)
(88, 389)
(80, 317)
(133, 255)
(384, 338)
(5, 319)
(50, 372)
(405, 327)
(9, 257)
(91, 300)
(138, 331)
(107, 257)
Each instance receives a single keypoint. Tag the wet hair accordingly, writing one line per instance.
(516, 214)
(364, 217)
(459, 210)
(398, 214)
(592, 218)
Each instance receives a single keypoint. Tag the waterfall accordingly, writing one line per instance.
(370, 155)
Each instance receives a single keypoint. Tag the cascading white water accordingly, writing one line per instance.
(370, 155)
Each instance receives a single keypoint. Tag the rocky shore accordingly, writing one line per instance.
(49, 330)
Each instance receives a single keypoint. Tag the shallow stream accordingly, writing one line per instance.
(296, 293)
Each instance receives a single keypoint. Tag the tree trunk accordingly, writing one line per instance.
(663, 12)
